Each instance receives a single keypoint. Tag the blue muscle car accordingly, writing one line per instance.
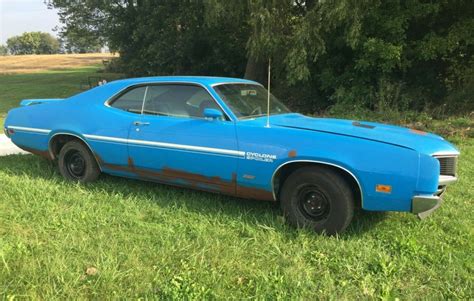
(212, 134)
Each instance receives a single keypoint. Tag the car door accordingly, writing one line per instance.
(109, 135)
(172, 142)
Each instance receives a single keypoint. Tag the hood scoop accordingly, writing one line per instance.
(361, 125)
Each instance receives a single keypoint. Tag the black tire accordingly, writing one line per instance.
(319, 199)
(76, 163)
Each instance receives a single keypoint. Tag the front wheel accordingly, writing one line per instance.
(76, 163)
(319, 199)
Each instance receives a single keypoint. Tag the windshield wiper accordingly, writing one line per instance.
(261, 115)
(252, 116)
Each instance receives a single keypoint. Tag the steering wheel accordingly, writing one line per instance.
(257, 109)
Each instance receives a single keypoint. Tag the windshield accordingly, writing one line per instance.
(249, 100)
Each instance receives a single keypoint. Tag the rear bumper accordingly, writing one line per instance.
(424, 205)
(5, 131)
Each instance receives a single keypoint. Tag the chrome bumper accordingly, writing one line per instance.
(5, 131)
(446, 180)
(424, 205)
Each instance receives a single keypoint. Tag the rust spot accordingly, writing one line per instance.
(187, 179)
(112, 166)
(99, 159)
(130, 163)
(292, 153)
(254, 193)
(415, 131)
(196, 179)
(42, 153)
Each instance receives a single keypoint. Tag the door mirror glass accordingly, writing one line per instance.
(213, 113)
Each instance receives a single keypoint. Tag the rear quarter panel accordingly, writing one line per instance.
(79, 114)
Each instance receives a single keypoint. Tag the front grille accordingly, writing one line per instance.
(447, 166)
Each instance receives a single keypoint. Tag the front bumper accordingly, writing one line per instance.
(424, 205)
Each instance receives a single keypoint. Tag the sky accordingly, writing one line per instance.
(18, 16)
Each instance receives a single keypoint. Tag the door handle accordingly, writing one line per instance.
(139, 123)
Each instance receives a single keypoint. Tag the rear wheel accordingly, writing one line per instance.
(76, 163)
(319, 199)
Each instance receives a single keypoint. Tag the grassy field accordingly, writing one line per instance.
(46, 76)
(15, 64)
(125, 238)
(46, 84)
(131, 239)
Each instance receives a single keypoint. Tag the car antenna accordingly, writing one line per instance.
(268, 89)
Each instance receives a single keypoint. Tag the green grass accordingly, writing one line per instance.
(132, 239)
(47, 84)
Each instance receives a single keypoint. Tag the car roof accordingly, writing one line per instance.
(204, 80)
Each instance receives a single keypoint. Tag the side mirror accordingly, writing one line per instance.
(212, 113)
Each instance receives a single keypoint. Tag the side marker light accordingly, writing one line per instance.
(383, 188)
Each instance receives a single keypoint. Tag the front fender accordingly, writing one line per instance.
(372, 163)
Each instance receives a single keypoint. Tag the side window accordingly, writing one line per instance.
(177, 100)
(131, 101)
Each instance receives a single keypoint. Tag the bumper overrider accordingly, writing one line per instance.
(424, 205)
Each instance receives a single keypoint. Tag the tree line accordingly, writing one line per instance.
(32, 43)
(44, 43)
(374, 54)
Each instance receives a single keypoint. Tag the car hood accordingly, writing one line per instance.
(423, 142)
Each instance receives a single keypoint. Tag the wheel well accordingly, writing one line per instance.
(58, 141)
(286, 170)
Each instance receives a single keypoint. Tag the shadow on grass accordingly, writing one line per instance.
(252, 212)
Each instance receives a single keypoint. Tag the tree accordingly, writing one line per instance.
(3, 50)
(47, 44)
(142, 32)
(290, 31)
(73, 43)
(370, 53)
(403, 56)
(33, 43)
